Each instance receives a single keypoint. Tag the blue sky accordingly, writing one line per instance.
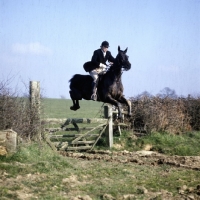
(49, 41)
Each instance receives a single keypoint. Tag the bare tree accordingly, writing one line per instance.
(144, 94)
(167, 92)
(15, 112)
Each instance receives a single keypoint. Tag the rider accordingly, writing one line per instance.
(100, 56)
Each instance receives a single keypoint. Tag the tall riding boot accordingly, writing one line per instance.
(94, 90)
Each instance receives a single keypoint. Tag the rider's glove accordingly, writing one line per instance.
(101, 65)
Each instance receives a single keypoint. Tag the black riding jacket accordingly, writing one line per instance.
(98, 57)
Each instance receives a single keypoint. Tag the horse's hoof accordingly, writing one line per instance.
(119, 117)
(74, 108)
(129, 115)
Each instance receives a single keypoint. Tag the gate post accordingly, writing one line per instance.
(35, 109)
(109, 129)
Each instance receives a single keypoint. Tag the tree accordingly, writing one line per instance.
(167, 92)
(144, 94)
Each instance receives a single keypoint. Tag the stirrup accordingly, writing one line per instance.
(94, 97)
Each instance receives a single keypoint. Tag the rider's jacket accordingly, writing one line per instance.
(98, 58)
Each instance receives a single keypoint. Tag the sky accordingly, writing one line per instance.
(50, 40)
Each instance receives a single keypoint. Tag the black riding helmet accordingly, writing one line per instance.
(105, 44)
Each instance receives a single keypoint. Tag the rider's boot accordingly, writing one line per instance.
(94, 90)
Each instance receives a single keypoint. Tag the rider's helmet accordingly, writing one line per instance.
(105, 44)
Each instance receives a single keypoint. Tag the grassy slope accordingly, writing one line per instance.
(60, 108)
(36, 172)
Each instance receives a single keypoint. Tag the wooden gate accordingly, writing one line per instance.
(63, 140)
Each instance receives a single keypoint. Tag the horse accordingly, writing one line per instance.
(109, 88)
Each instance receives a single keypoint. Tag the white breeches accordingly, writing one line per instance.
(95, 73)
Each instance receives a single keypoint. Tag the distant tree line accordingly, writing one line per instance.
(166, 92)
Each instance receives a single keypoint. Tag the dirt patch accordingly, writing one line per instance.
(147, 158)
(140, 157)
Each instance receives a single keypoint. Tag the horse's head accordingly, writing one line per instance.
(122, 59)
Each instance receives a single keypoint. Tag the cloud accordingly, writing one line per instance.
(31, 48)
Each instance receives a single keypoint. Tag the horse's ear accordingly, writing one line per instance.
(118, 48)
(125, 50)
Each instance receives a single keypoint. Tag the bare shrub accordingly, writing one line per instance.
(160, 114)
(193, 109)
(16, 113)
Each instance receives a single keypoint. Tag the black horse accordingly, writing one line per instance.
(109, 89)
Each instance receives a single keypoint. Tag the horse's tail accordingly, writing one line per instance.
(75, 77)
(70, 80)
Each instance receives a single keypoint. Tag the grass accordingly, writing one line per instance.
(37, 171)
(60, 108)
(186, 144)
(182, 145)
(38, 155)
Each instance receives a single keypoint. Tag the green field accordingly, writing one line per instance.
(60, 108)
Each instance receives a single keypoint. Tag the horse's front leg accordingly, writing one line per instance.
(114, 102)
(123, 100)
(119, 110)
(129, 108)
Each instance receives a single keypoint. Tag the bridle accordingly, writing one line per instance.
(123, 61)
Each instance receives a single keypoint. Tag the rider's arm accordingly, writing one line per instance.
(110, 57)
(95, 58)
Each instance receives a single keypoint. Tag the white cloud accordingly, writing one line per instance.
(31, 48)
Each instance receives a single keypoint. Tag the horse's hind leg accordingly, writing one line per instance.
(75, 105)
(75, 101)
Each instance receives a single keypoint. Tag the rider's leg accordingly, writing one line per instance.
(94, 91)
(94, 75)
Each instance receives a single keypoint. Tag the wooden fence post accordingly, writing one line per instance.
(109, 129)
(35, 109)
